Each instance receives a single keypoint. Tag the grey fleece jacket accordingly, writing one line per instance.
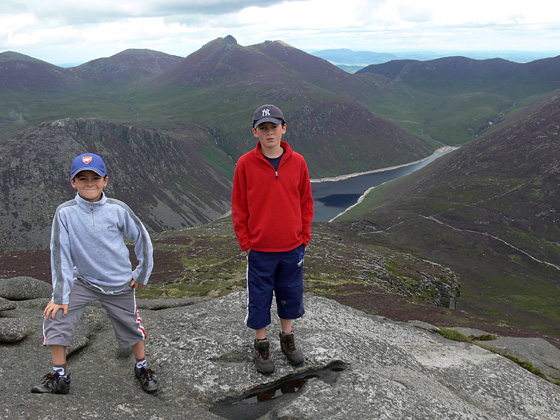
(87, 241)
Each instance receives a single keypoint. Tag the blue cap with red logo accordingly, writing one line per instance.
(88, 162)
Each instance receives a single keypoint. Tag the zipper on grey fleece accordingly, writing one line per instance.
(92, 218)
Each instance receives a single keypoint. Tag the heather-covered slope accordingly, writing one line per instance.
(490, 212)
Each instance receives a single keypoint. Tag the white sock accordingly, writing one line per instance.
(61, 370)
(141, 363)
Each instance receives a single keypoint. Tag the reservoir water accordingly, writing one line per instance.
(334, 195)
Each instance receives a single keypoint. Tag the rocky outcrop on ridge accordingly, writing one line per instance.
(356, 366)
(162, 176)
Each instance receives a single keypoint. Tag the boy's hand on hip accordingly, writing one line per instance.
(136, 285)
(52, 308)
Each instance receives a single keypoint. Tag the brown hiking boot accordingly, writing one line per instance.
(294, 355)
(263, 361)
(53, 383)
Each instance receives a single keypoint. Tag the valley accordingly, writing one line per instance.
(172, 129)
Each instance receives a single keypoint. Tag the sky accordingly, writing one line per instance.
(77, 31)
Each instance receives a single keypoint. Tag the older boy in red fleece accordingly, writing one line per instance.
(272, 210)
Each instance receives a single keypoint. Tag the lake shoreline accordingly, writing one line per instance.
(442, 150)
(445, 149)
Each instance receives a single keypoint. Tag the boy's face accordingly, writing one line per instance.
(269, 135)
(89, 184)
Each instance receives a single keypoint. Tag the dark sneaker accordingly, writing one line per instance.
(263, 361)
(53, 383)
(294, 355)
(147, 378)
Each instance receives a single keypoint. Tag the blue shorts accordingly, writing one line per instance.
(278, 272)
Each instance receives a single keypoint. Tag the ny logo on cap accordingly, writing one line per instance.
(266, 112)
(87, 159)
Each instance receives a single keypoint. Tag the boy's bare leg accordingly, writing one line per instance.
(286, 325)
(142, 370)
(58, 354)
(286, 328)
(261, 333)
(138, 350)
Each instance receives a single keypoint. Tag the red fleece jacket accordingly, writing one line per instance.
(272, 211)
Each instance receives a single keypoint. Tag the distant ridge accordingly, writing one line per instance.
(457, 99)
(449, 101)
(127, 66)
(355, 60)
(21, 73)
(462, 68)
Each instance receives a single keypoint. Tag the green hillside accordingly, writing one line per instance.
(455, 99)
(488, 211)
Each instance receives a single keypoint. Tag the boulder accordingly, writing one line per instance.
(24, 288)
(12, 330)
(6, 305)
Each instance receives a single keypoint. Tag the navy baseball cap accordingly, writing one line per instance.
(88, 162)
(268, 113)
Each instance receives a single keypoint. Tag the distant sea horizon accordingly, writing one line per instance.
(518, 56)
(421, 55)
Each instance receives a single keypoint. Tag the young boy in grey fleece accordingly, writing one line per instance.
(90, 262)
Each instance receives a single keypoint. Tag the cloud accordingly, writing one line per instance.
(415, 13)
(72, 12)
(84, 30)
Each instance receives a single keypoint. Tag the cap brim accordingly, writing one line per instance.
(268, 119)
(73, 174)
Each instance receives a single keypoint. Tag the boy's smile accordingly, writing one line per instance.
(89, 184)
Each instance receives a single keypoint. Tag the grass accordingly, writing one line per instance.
(528, 366)
(453, 334)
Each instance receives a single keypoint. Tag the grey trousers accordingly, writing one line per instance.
(120, 306)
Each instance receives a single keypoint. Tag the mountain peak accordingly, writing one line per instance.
(230, 39)
(277, 43)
